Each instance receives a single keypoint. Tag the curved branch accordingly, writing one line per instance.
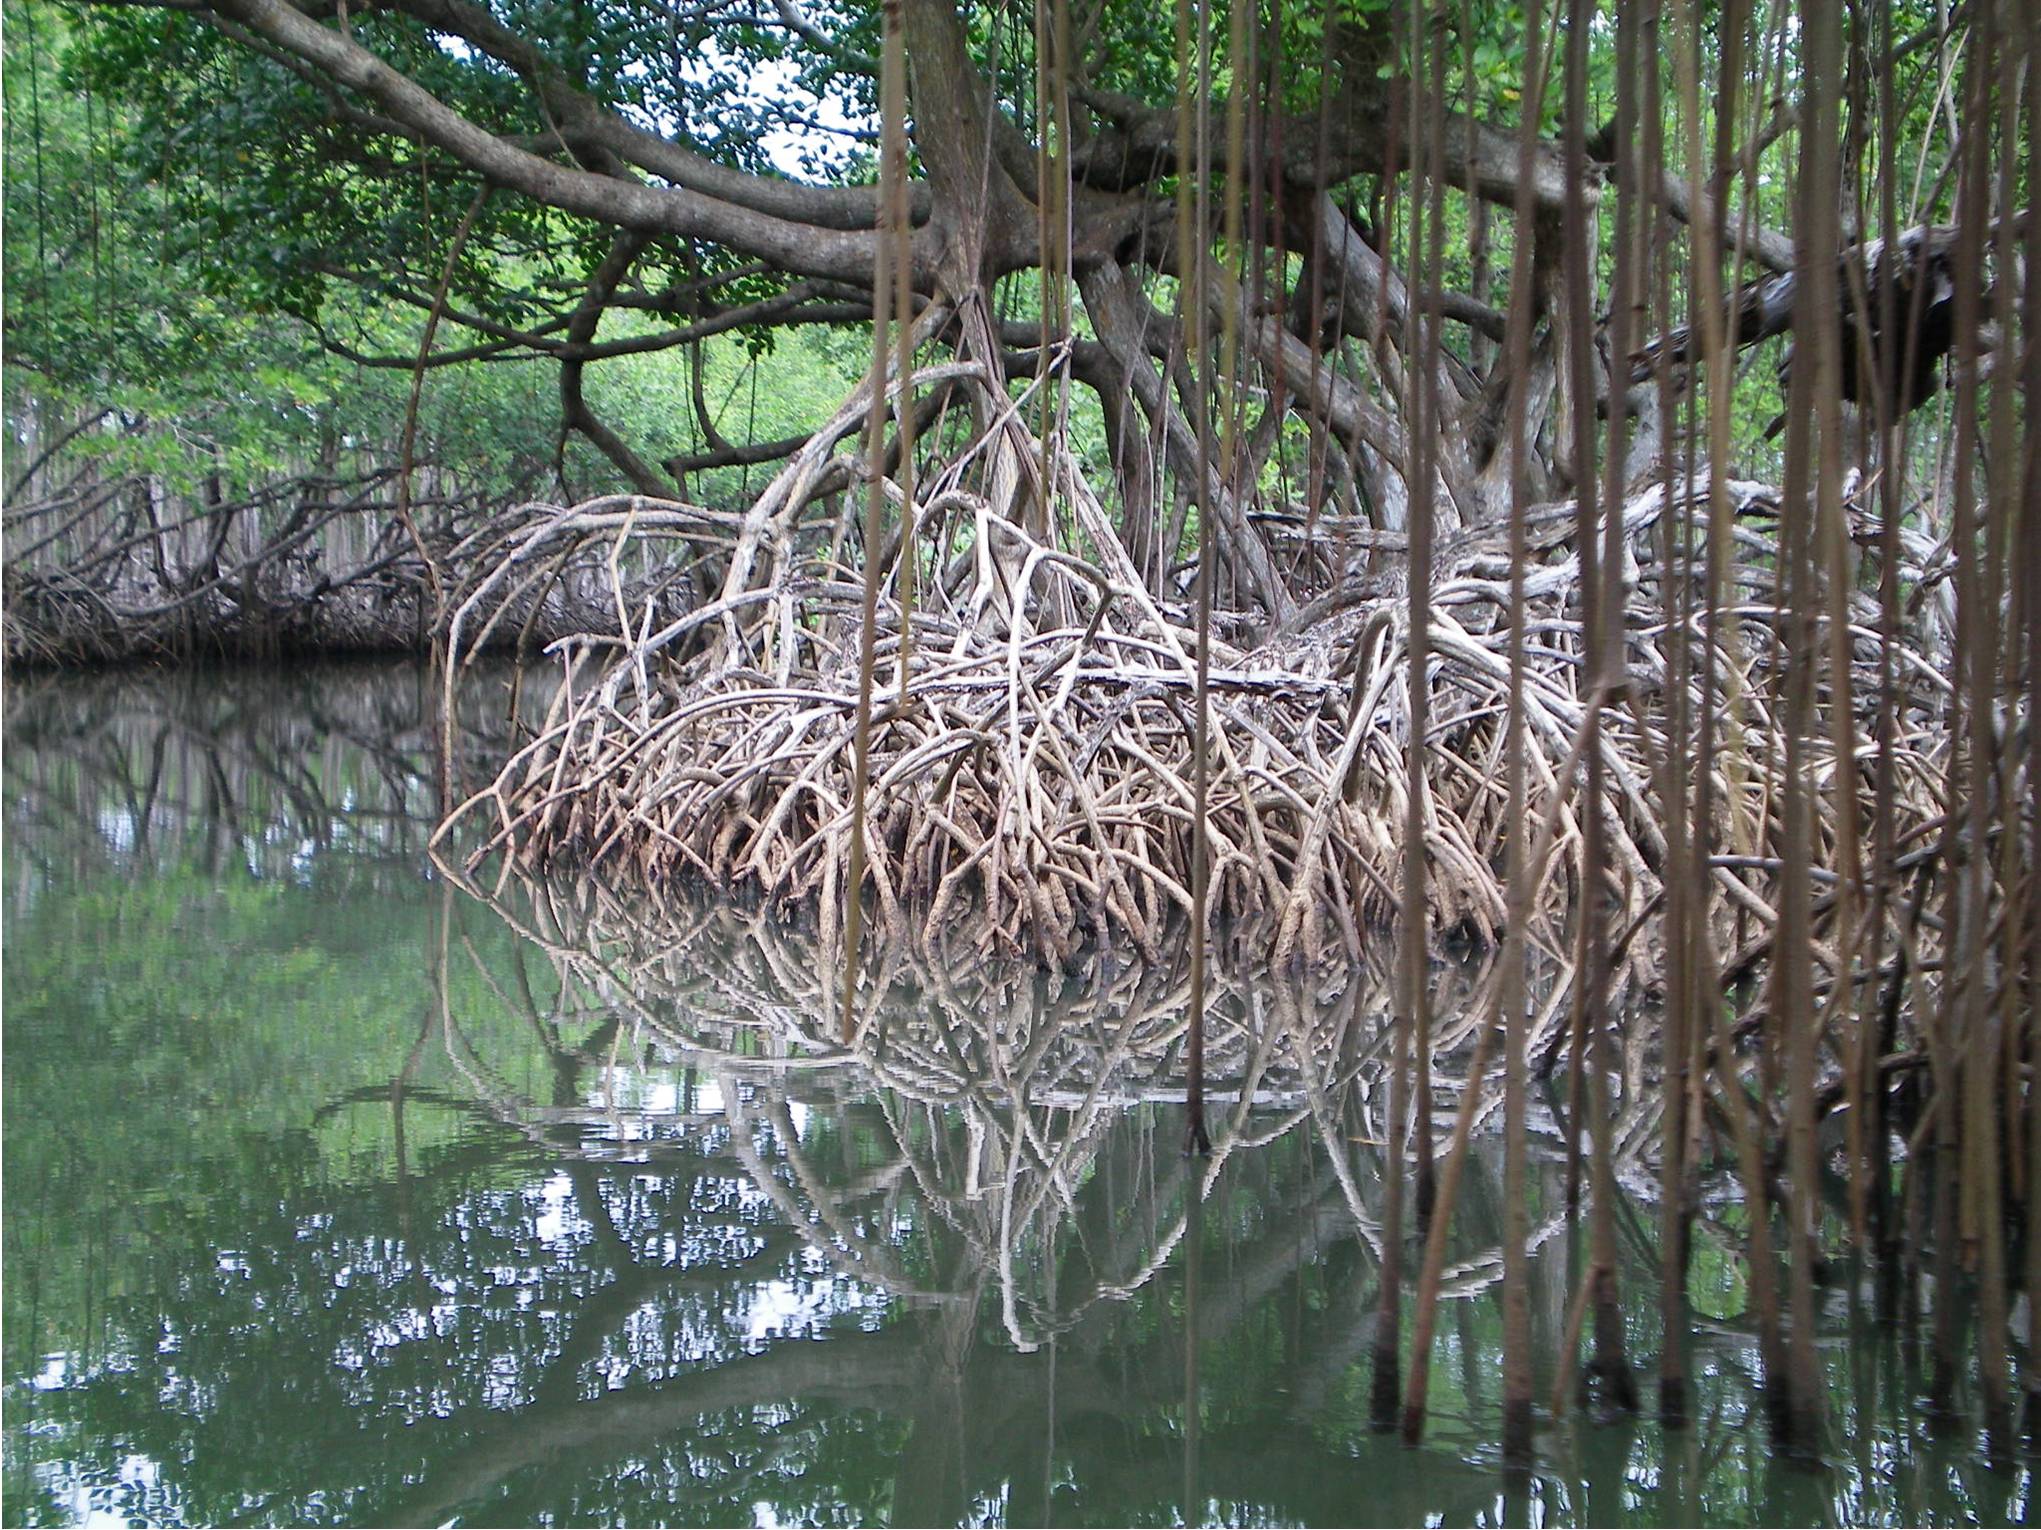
(1138, 146)
(792, 307)
(586, 123)
(807, 248)
(575, 414)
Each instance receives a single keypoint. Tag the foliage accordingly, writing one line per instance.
(165, 263)
(196, 218)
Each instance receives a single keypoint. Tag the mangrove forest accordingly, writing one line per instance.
(941, 762)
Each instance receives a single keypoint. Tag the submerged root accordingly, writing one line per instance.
(1032, 736)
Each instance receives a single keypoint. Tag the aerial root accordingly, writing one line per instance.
(1031, 751)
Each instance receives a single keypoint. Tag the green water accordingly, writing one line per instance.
(333, 1194)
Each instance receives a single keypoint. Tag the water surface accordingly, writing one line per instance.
(336, 1195)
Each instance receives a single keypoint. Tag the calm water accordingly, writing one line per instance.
(333, 1194)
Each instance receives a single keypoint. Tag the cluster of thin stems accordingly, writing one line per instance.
(1754, 764)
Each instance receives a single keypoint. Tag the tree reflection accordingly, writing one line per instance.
(567, 1204)
(258, 769)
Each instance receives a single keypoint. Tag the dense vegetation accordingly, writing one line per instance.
(225, 269)
(1308, 485)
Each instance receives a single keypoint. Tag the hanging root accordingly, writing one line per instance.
(1030, 774)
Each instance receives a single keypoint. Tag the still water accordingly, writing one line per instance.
(335, 1193)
